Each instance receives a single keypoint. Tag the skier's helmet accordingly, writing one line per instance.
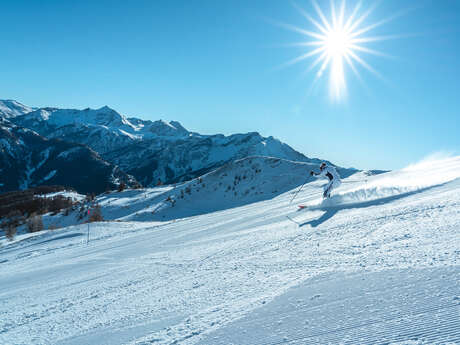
(322, 166)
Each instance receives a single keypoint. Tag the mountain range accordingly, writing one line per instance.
(132, 150)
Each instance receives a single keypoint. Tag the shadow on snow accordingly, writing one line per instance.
(330, 211)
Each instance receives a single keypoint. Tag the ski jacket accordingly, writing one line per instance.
(330, 173)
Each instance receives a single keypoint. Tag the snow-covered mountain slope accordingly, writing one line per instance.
(28, 159)
(152, 150)
(379, 264)
(10, 108)
(235, 184)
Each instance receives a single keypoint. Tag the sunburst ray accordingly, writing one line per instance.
(338, 41)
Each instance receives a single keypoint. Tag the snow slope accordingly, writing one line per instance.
(396, 306)
(235, 184)
(377, 264)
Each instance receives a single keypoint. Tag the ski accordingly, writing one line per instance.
(292, 220)
(301, 207)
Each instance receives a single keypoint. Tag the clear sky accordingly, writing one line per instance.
(219, 67)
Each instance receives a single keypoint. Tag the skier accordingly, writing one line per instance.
(332, 175)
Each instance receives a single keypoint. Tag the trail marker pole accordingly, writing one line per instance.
(87, 237)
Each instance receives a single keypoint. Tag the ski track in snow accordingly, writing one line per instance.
(375, 271)
(371, 308)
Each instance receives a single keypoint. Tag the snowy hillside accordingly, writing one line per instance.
(152, 150)
(235, 184)
(377, 264)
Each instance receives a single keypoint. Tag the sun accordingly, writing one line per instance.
(337, 44)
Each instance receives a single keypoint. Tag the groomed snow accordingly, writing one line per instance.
(379, 263)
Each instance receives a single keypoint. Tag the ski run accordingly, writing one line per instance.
(377, 263)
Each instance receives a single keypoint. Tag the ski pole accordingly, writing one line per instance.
(298, 192)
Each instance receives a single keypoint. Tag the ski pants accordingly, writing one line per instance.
(328, 187)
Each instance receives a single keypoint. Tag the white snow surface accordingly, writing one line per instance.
(65, 154)
(50, 175)
(376, 264)
(66, 193)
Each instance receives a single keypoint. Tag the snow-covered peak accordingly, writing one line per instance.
(177, 125)
(55, 117)
(104, 116)
(106, 108)
(11, 108)
(165, 128)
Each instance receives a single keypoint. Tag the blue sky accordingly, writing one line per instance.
(214, 66)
